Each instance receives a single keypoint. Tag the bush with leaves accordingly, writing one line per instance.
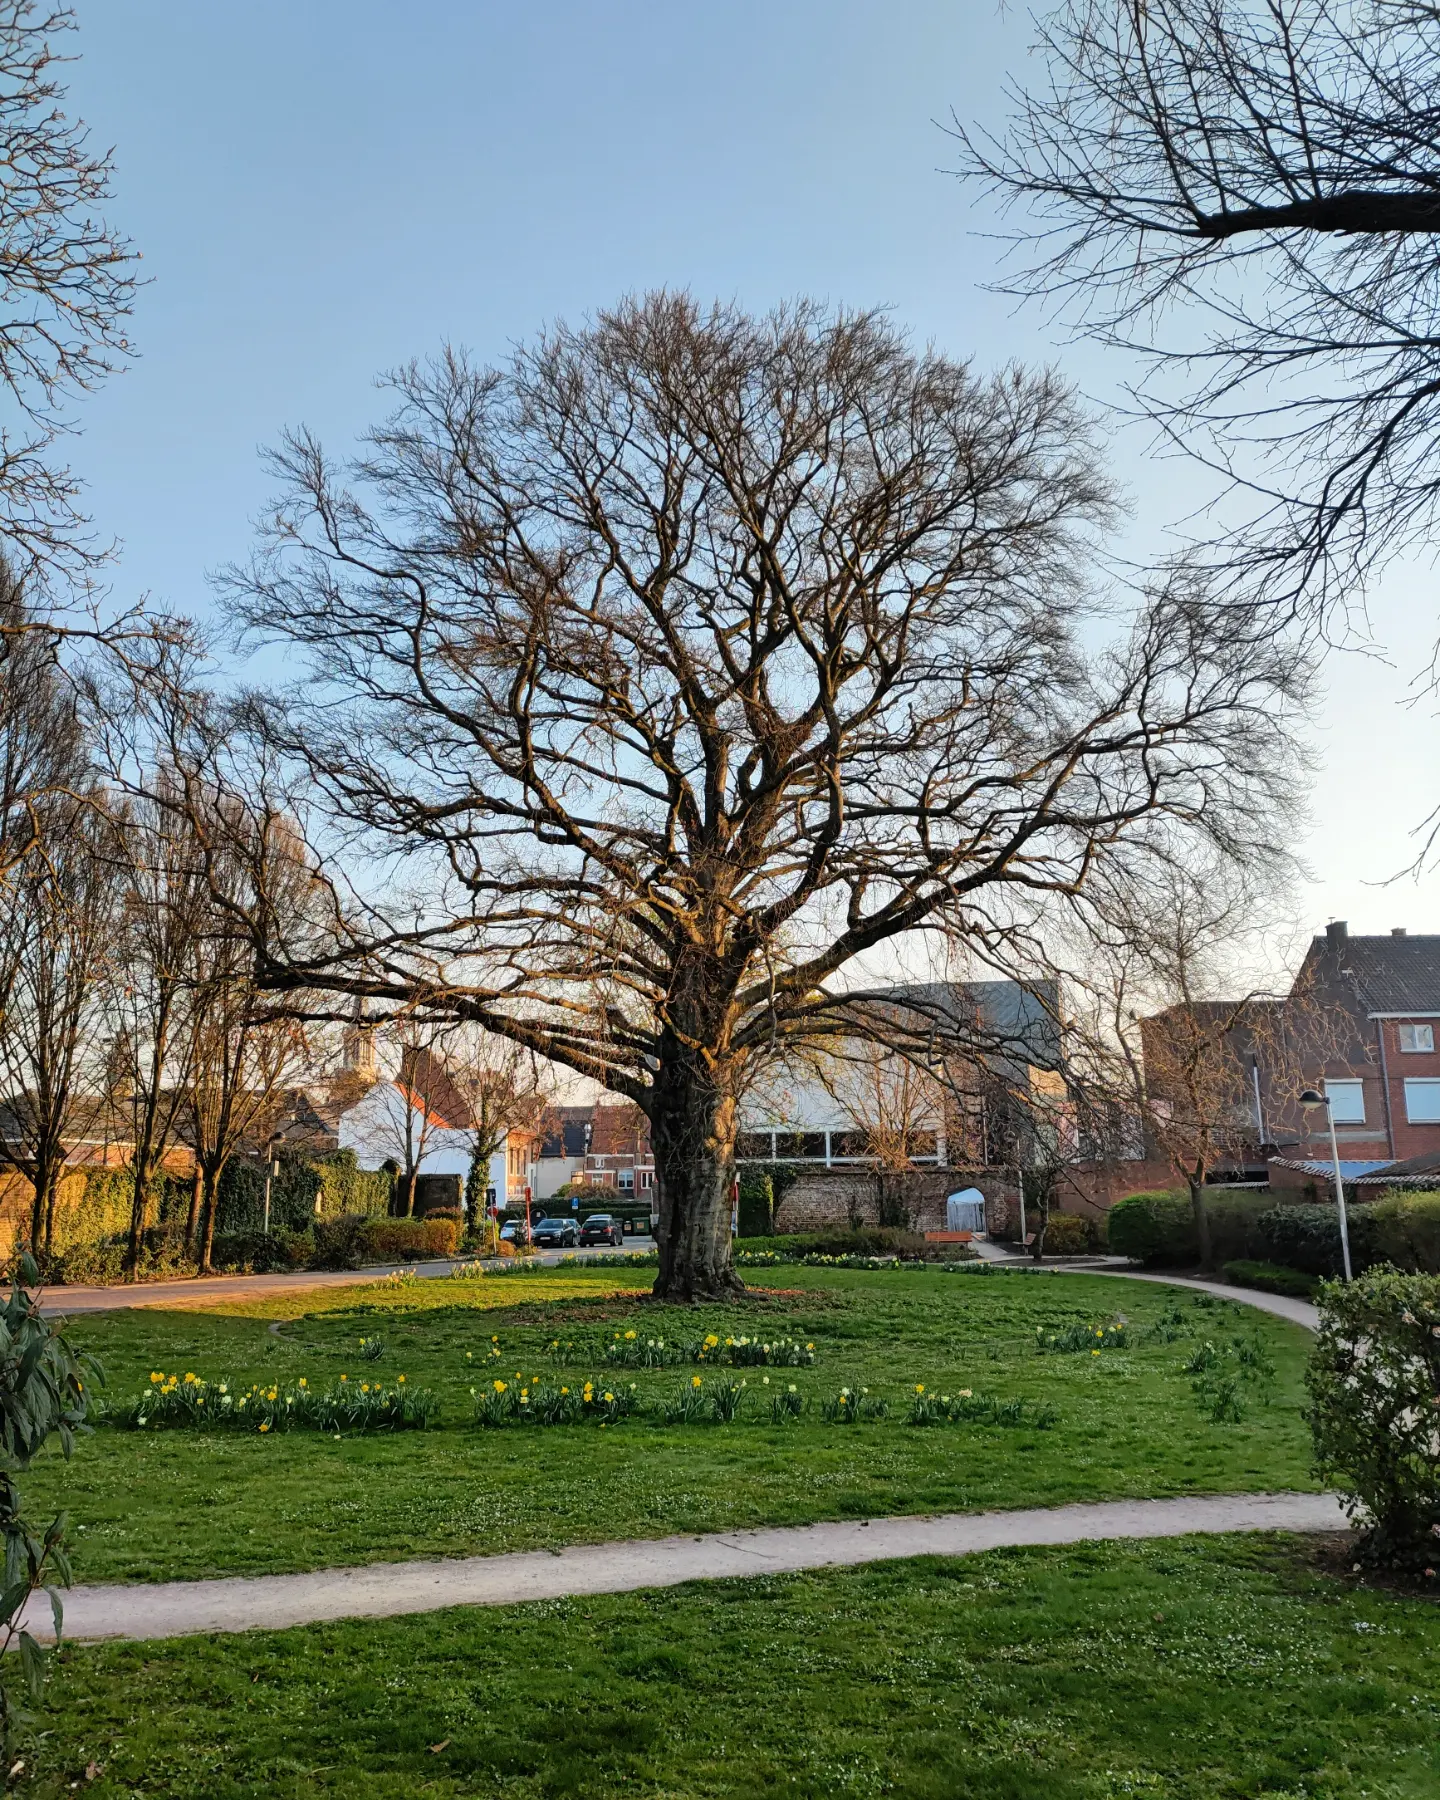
(1374, 1382)
(42, 1396)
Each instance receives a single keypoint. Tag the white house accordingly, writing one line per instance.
(389, 1124)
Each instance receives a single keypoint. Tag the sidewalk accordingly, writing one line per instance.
(385, 1590)
(196, 1290)
(1299, 1312)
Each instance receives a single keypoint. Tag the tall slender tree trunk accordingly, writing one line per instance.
(192, 1218)
(50, 1184)
(692, 1132)
(209, 1189)
(37, 1211)
(1202, 1217)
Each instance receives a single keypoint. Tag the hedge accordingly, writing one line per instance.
(351, 1241)
(1158, 1229)
(1374, 1381)
(1270, 1278)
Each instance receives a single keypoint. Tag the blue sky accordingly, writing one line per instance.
(324, 190)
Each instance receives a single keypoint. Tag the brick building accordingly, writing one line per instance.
(1383, 1077)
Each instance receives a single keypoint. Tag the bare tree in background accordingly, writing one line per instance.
(691, 656)
(503, 1088)
(1154, 1033)
(241, 1054)
(67, 281)
(1272, 169)
(56, 943)
(164, 901)
(897, 1109)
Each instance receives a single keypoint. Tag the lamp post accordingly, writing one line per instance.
(1310, 1099)
(272, 1169)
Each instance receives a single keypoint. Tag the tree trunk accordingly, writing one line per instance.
(192, 1218)
(37, 1214)
(51, 1185)
(692, 1133)
(1202, 1219)
(209, 1194)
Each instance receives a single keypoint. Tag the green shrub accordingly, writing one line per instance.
(1404, 1230)
(1066, 1234)
(385, 1240)
(868, 1240)
(1158, 1229)
(1374, 1381)
(337, 1241)
(1307, 1237)
(83, 1265)
(259, 1253)
(42, 1395)
(1270, 1278)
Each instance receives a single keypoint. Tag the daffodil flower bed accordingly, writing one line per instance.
(631, 1350)
(189, 1400)
(537, 1402)
(1079, 1340)
(965, 1407)
(853, 1406)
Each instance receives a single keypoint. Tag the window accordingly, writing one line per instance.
(1417, 1040)
(1347, 1101)
(645, 1179)
(1422, 1102)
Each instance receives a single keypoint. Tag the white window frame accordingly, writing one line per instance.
(1347, 1102)
(1422, 1100)
(1422, 1036)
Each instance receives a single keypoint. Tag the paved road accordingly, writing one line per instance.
(200, 1290)
(384, 1590)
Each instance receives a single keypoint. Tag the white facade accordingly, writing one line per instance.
(376, 1128)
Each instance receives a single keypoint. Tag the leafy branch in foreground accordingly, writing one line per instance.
(42, 1395)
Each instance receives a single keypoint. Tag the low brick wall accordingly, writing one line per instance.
(832, 1199)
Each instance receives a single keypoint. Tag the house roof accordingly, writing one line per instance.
(1007, 1019)
(1390, 974)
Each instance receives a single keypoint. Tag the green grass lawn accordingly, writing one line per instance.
(1218, 1669)
(152, 1506)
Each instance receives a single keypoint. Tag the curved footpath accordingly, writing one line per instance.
(384, 1590)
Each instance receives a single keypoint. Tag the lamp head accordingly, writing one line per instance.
(1311, 1098)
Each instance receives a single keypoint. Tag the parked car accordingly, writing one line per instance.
(513, 1232)
(551, 1234)
(602, 1228)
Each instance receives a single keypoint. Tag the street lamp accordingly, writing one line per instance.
(272, 1169)
(1310, 1099)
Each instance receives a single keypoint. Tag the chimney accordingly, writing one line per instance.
(1397, 931)
(1337, 934)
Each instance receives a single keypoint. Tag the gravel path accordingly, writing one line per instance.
(383, 1590)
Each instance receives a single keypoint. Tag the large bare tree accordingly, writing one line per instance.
(688, 658)
(67, 281)
(1246, 194)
